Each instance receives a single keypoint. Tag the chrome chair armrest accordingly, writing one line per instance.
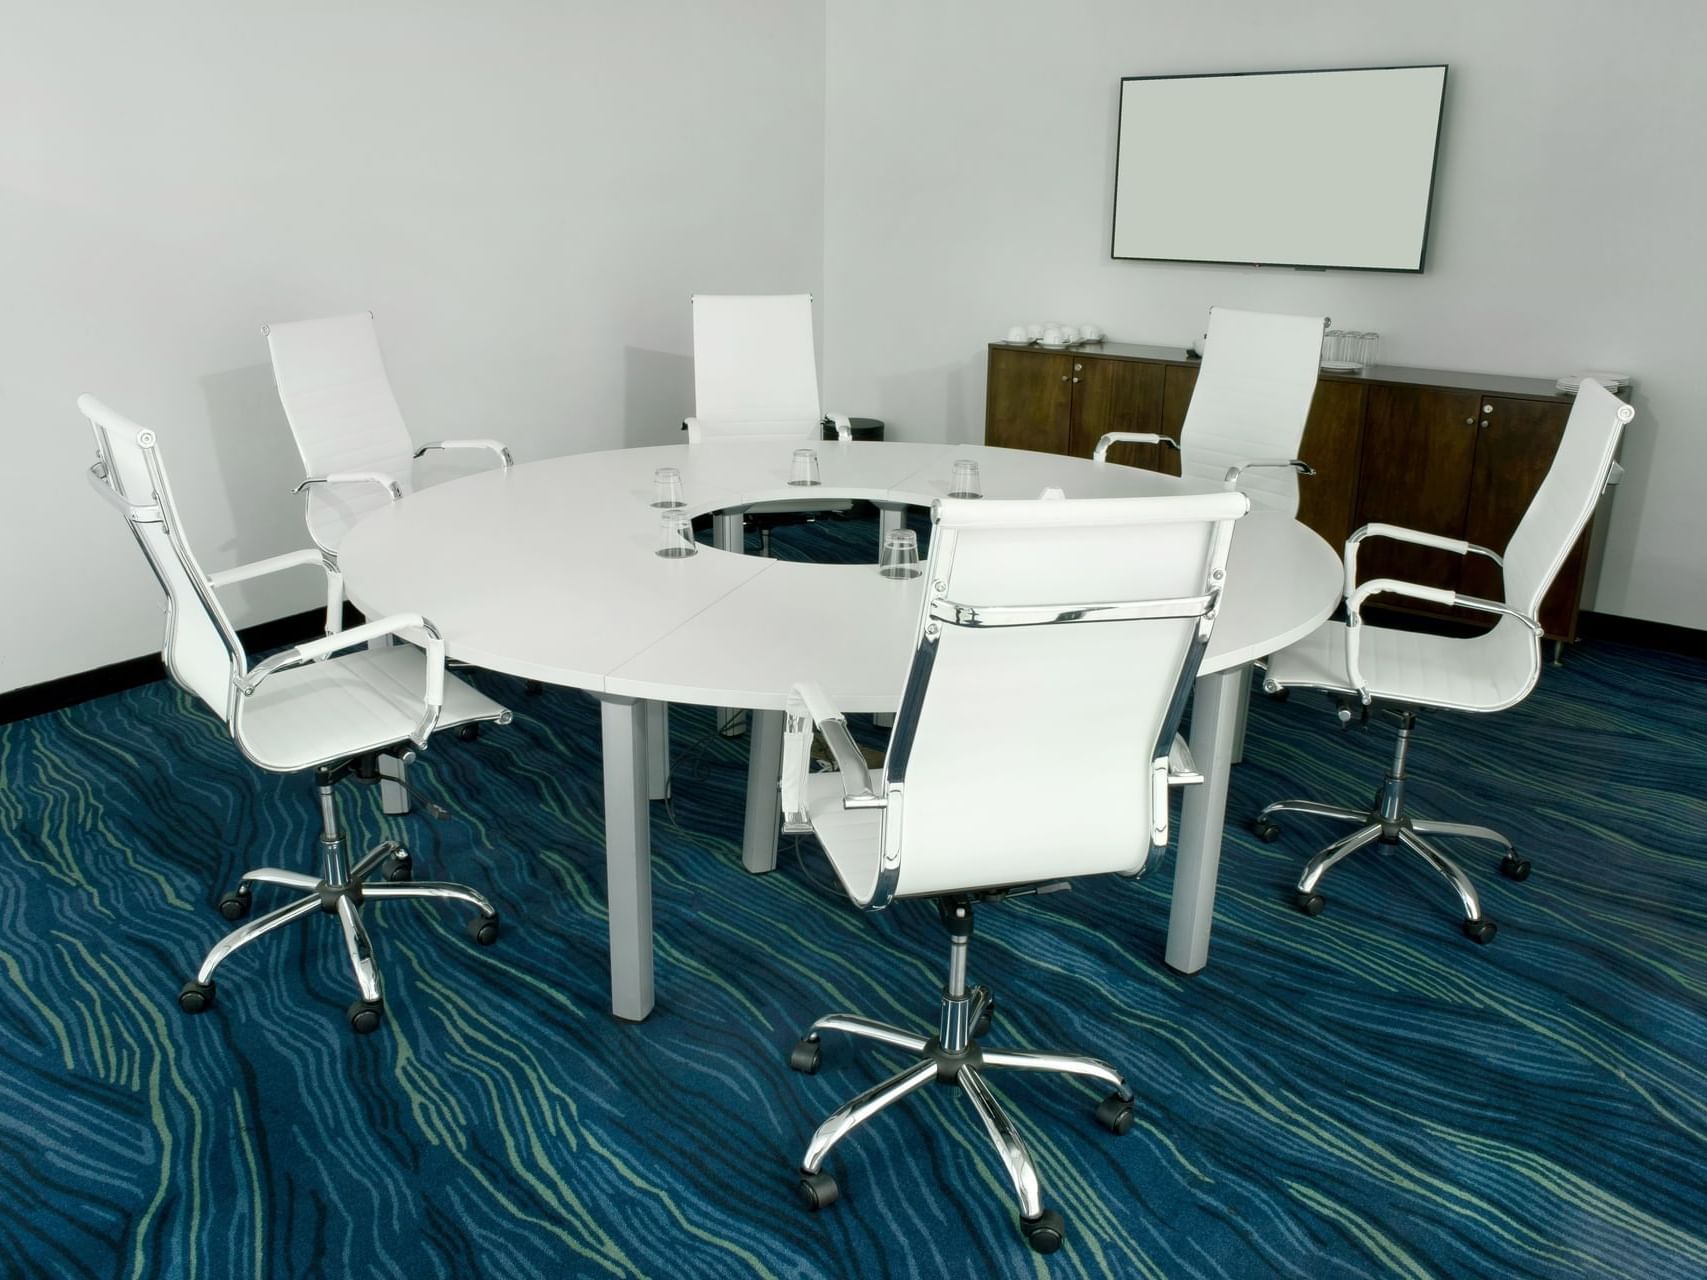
(810, 708)
(843, 425)
(432, 696)
(1231, 479)
(308, 556)
(1100, 453)
(497, 447)
(355, 477)
(1416, 537)
(1414, 591)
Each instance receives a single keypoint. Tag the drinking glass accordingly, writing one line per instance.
(900, 557)
(667, 488)
(675, 535)
(966, 483)
(1368, 349)
(805, 470)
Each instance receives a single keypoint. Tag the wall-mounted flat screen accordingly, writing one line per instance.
(1289, 168)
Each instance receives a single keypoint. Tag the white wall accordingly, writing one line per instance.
(970, 148)
(525, 192)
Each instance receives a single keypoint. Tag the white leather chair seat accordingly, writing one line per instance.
(357, 702)
(1483, 673)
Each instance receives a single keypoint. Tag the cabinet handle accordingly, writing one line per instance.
(1075, 379)
(1484, 422)
(1078, 368)
(1487, 408)
(1470, 421)
(1063, 377)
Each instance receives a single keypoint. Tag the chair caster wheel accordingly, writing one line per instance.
(1115, 1114)
(1264, 830)
(1310, 904)
(469, 732)
(195, 997)
(1514, 867)
(805, 1057)
(483, 929)
(986, 1016)
(1045, 1232)
(1480, 931)
(235, 905)
(400, 870)
(364, 1016)
(818, 1191)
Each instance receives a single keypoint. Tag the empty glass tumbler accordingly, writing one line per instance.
(900, 558)
(667, 488)
(675, 535)
(966, 483)
(805, 470)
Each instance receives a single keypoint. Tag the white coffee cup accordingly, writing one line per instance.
(1017, 334)
(1090, 333)
(1033, 332)
(1052, 337)
(1069, 333)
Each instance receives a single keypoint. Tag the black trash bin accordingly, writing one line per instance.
(862, 428)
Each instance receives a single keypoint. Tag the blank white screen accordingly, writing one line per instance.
(1311, 168)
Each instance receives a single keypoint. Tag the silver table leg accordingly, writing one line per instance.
(764, 805)
(393, 796)
(658, 750)
(1243, 698)
(628, 856)
(729, 533)
(1203, 808)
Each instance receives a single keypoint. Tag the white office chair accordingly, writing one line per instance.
(302, 709)
(755, 377)
(1247, 412)
(1409, 670)
(355, 449)
(1082, 622)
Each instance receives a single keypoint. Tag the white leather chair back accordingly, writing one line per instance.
(336, 395)
(1251, 401)
(201, 650)
(1562, 505)
(754, 369)
(1032, 739)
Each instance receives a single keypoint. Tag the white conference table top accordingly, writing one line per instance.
(549, 571)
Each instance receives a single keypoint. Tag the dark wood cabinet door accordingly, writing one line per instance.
(1419, 449)
(1515, 443)
(1115, 395)
(1333, 445)
(1028, 400)
(1178, 382)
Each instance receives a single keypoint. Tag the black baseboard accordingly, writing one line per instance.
(1663, 636)
(52, 695)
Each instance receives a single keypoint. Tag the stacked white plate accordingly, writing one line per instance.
(1571, 382)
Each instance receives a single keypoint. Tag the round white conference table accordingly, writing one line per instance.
(549, 571)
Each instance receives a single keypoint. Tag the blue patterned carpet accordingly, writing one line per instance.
(1366, 1093)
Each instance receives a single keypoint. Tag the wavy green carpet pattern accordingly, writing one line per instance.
(1366, 1093)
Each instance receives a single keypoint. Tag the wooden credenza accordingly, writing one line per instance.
(1458, 454)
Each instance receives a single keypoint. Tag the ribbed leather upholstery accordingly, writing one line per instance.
(1030, 752)
(360, 701)
(338, 399)
(1492, 671)
(1251, 401)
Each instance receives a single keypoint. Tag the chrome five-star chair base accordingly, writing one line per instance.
(954, 1057)
(339, 891)
(1385, 821)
